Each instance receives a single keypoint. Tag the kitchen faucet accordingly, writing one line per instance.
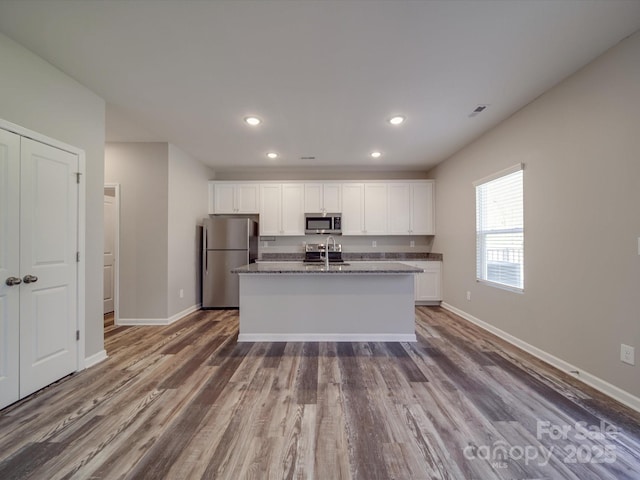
(326, 250)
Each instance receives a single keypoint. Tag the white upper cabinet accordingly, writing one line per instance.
(292, 209)
(387, 207)
(323, 197)
(375, 209)
(281, 209)
(247, 198)
(353, 209)
(422, 209)
(411, 208)
(234, 197)
(270, 209)
(400, 208)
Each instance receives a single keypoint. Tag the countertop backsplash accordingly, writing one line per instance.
(353, 247)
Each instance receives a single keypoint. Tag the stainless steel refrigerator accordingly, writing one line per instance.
(227, 243)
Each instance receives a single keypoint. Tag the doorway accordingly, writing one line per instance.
(111, 253)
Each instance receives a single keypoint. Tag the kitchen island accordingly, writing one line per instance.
(293, 301)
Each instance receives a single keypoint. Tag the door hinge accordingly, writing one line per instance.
(77, 174)
(77, 334)
(77, 256)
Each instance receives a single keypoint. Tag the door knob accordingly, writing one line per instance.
(29, 279)
(11, 281)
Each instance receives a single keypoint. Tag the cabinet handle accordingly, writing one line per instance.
(11, 281)
(29, 279)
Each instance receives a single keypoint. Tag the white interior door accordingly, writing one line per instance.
(9, 267)
(48, 246)
(109, 249)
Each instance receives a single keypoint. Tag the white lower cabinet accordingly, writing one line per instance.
(429, 283)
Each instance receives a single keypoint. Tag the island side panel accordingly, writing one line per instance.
(325, 307)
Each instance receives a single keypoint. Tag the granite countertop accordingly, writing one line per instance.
(358, 257)
(305, 268)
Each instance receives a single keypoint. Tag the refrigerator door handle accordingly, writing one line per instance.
(204, 249)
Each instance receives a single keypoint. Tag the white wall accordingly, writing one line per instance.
(163, 198)
(580, 143)
(188, 205)
(141, 169)
(37, 96)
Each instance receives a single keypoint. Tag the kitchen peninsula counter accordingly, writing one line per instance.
(293, 301)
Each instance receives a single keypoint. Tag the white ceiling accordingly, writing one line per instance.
(323, 75)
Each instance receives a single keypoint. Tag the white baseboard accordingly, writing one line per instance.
(95, 359)
(326, 337)
(184, 313)
(603, 386)
(158, 321)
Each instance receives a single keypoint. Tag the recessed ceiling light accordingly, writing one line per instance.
(272, 155)
(396, 120)
(376, 154)
(253, 121)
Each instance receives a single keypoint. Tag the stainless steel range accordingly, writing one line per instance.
(315, 253)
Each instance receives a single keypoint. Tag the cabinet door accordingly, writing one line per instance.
(313, 198)
(224, 198)
(247, 198)
(352, 209)
(422, 209)
(399, 208)
(292, 209)
(332, 197)
(270, 209)
(9, 267)
(375, 209)
(428, 284)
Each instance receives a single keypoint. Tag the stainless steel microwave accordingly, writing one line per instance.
(323, 223)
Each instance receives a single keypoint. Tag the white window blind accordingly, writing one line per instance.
(500, 229)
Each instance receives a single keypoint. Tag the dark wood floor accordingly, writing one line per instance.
(187, 402)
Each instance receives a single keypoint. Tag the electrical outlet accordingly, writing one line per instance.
(181, 293)
(374, 243)
(412, 243)
(627, 354)
(468, 295)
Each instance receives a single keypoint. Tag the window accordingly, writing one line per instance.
(500, 229)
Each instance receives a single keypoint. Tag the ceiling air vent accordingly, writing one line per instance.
(308, 158)
(478, 110)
